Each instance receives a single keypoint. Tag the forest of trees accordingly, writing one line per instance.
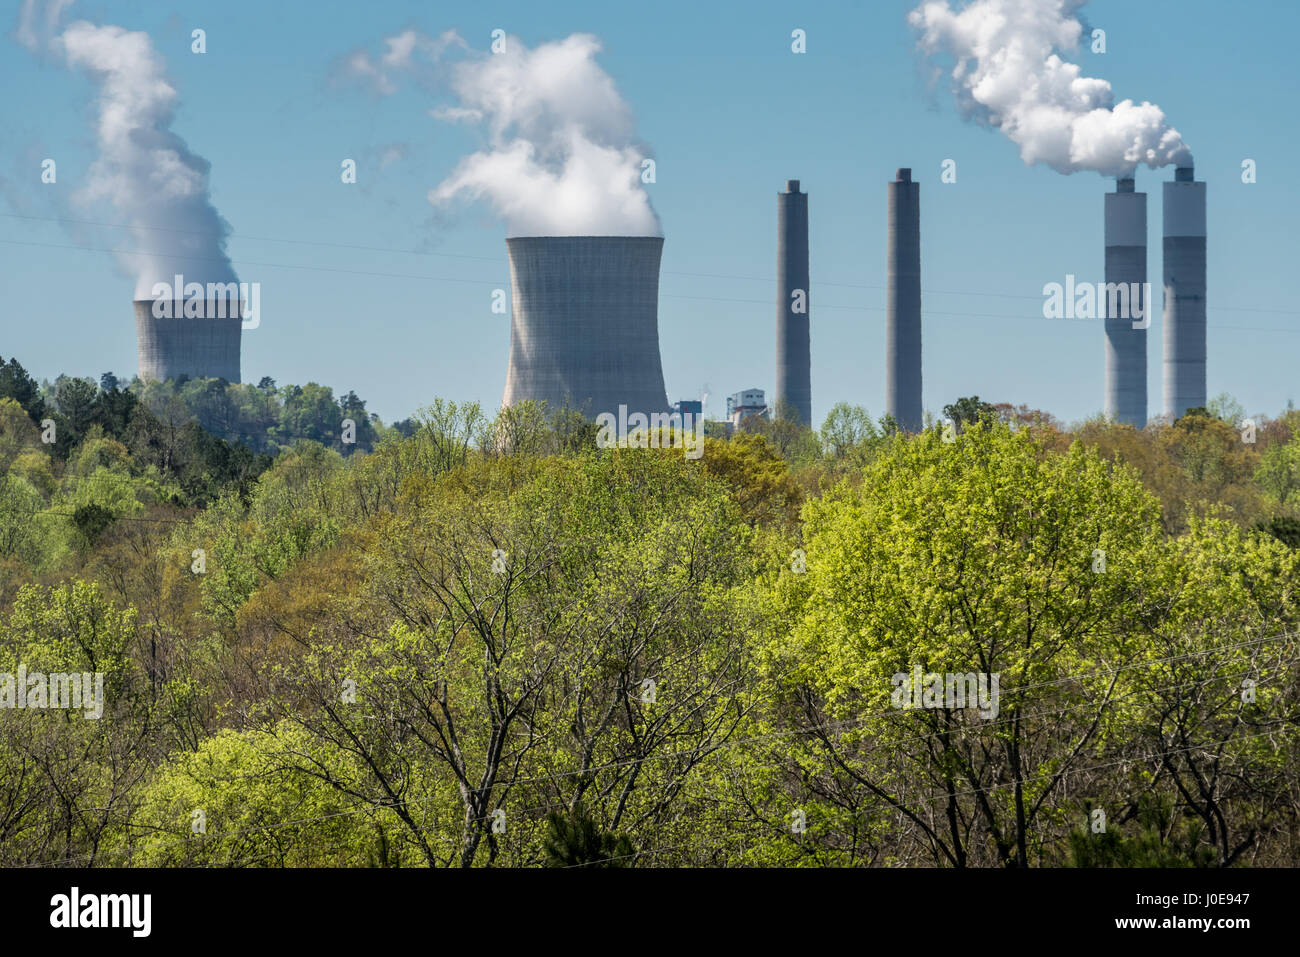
(472, 640)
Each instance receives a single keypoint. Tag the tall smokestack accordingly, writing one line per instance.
(585, 328)
(178, 345)
(903, 304)
(793, 352)
(1184, 280)
(1126, 267)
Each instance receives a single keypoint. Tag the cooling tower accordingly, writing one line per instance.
(195, 347)
(903, 304)
(1126, 268)
(585, 329)
(793, 354)
(1184, 321)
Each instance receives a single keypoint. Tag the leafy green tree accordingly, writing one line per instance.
(1284, 528)
(16, 384)
(757, 477)
(115, 410)
(18, 434)
(1146, 835)
(969, 410)
(235, 802)
(847, 427)
(982, 557)
(77, 401)
(91, 520)
(67, 776)
(309, 412)
(1278, 473)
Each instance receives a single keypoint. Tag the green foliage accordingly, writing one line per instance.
(576, 840)
(973, 557)
(91, 520)
(968, 411)
(1151, 837)
(1284, 528)
(487, 642)
(227, 805)
(17, 385)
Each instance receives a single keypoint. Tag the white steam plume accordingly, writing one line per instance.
(144, 169)
(562, 156)
(404, 52)
(1008, 73)
(38, 21)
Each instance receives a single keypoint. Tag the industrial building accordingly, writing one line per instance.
(903, 304)
(585, 326)
(741, 405)
(176, 346)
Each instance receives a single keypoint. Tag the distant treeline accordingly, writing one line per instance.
(78, 456)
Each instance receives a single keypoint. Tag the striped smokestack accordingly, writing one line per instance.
(903, 304)
(793, 352)
(1126, 268)
(1184, 275)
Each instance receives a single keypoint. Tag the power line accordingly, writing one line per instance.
(497, 260)
(500, 284)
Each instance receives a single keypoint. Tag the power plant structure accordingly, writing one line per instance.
(1126, 272)
(793, 349)
(585, 326)
(1184, 293)
(903, 304)
(180, 345)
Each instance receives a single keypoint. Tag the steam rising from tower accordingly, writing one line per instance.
(1008, 73)
(144, 169)
(155, 183)
(564, 170)
(903, 304)
(793, 352)
(563, 158)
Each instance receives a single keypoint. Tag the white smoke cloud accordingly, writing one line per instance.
(562, 156)
(38, 21)
(144, 169)
(404, 52)
(1009, 74)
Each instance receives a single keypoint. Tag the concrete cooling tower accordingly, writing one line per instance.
(172, 347)
(1184, 217)
(585, 328)
(1126, 265)
(793, 350)
(903, 304)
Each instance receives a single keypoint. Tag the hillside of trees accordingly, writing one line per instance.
(479, 640)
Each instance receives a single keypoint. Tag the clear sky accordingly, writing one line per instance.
(367, 287)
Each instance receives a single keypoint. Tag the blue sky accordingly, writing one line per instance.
(365, 288)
